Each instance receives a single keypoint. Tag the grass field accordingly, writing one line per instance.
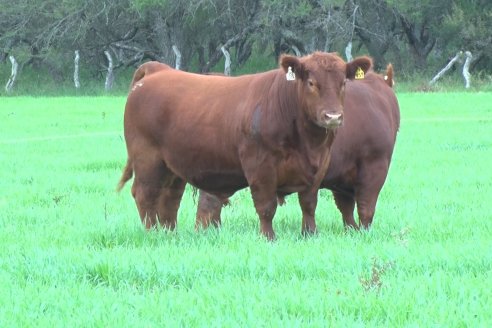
(74, 254)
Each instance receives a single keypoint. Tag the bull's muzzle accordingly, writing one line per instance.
(331, 120)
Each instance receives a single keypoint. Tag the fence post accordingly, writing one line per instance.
(446, 68)
(13, 76)
(227, 64)
(178, 57)
(76, 80)
(348, 51)
(109, 76)
(466, 66)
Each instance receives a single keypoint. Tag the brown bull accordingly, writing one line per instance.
(360, 155)
(270, 131)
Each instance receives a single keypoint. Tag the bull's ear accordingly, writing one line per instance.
(357, 66)
(295, 65)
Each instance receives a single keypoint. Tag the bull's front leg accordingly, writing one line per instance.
(259, 167)
(262, 180)
(308, 201)
(265, 200)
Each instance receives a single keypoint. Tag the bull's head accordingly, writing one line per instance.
(320, 78)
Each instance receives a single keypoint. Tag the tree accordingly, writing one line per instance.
(421, 21)
(44, 35)
(468, 27)
(377, 38)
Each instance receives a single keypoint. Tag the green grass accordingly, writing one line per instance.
(74, 254)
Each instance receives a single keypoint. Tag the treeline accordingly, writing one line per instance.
(414, 35)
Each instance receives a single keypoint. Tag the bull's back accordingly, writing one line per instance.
(198, 117)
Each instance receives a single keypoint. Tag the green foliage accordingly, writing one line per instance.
(73, 252)
(418, 35)
(468, 28)
(423, 11)
(142, 5)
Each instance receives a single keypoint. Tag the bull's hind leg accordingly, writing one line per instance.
(371, 178)
(149, 190)
(308, 201)
(346, 205)
(209, 210)
(168, 204)
(146, 189)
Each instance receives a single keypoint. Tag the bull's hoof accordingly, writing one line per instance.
(269, 235)
(309, 232)
(352, 227)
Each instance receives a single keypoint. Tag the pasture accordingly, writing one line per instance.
(73, 252)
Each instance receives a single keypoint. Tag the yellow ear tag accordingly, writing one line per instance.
(359, 74)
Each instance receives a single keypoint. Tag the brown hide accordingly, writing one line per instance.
(362, 150)
(222, 134)
(147, 69)
(360, 154)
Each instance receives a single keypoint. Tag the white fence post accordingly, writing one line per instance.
(13, 76)
(348, 51)
(76, 80)
(178, 57)
(227, 64)
(296, 51)
(466, 66)
(109, 76)
(446, 68)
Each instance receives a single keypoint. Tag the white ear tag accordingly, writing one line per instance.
(290, 76)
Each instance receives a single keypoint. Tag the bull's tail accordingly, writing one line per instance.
(127, 175)
(147, 69)
(142, 71)
(389, 76)
(138, 75)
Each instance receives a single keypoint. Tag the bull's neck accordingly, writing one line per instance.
(286, 95)
(294, 108)
(288, 111)
(315, 135)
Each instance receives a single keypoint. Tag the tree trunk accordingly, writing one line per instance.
(348, 48)
(178, 57)
(296, 51)
(243, 51)
(227, 64)
(76, 80)
(377, 38)
(446, 68)
(216, 55)
(348, 51)
(420, 41)
(466, 67)
(13, 76)
(108, 85)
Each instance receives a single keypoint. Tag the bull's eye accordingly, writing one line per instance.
(310, 83)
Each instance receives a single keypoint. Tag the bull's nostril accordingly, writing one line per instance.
(333, 116)
(331, 120)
